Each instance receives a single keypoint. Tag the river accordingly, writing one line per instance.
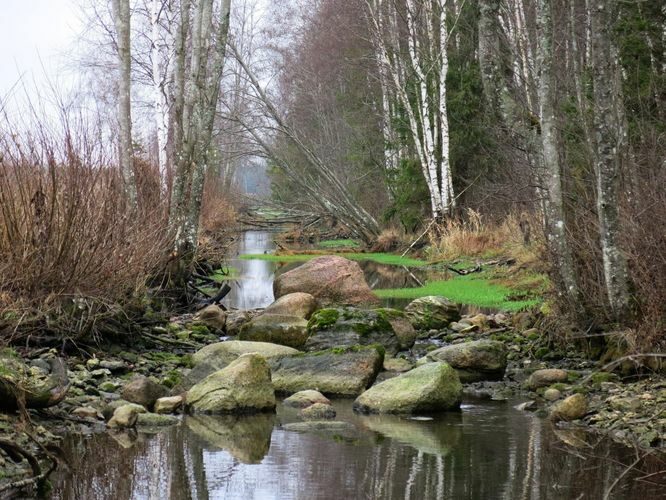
(487, 450)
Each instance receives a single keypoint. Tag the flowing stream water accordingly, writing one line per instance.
(487, 450)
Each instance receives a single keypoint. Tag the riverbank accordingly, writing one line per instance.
(630, 410)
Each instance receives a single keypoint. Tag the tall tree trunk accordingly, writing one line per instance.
(551, 176)
(610, 149)
(121, 21)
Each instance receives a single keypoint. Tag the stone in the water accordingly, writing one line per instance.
(156, 420)
(546, 377)
(474, 361)
(217, 356)
(432, 312)
(330, 279)
(124, 416)
(348, 326)
(168, 405)
(428, 388)
(242, 387)
(143, 391)
(318, 411)
(303, 399)
(279, 329)
(87, 412)
(337, 372)
(294, 304)
(571, 408)
(212, 316)
(552, 394)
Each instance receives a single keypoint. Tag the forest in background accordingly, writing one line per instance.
(413, 115)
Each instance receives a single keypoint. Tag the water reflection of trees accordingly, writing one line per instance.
(482, 452)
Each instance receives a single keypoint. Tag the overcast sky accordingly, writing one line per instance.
(36, 33)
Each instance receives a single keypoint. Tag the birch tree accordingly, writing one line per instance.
(196, 101)
(551, 174)
(121, 20)
(424, 63)
(610, 150)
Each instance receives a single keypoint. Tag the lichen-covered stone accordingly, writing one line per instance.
(571, 408)
(348, 326)
(125, 416)
(546, 377)
(474, 361)
(303, 399)
(318, 411)
(428, 388)
(334, 372)
(217, 356)
(168, 405)
(156, 420)
(37, 387)
(432, 312)
(242, 387)
(279, 329)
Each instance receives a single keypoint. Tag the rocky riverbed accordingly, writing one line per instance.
(423, 359)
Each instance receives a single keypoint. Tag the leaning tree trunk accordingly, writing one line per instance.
(551, 175)
(610, 144)
(121, 20)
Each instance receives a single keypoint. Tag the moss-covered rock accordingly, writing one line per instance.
(156, 420)
(217, 356)
(428, 388)
(546, 377)
(571, 408)
(348, 326)
(346, 371)
(474, 361)
(242, 387)
(432, 312)
(317, 411)
(38, 388)
(279, 329)
(303, 399)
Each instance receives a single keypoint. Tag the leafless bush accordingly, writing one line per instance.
(68, 231)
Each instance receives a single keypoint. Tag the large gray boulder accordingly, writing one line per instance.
(474, 361)
(280, 329)
(242, 387)
(432, 312)
(348, 326)
(329, 279)
(294, 304)
(214, 357)
(429, 388)
(333, 372)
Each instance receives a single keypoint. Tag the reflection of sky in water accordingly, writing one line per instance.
(255, 288)
(488, 450)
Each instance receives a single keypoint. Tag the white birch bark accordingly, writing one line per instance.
(610, 143)
(551, 176)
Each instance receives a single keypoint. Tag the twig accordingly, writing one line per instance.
(419, 238)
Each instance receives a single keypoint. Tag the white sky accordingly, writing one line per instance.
(35, 37)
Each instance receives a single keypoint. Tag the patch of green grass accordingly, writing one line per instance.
(348, 243)
(229, 273)
(465, 290)
(381, 258)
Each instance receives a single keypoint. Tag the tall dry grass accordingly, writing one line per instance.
(71, 242)
(473, 235)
